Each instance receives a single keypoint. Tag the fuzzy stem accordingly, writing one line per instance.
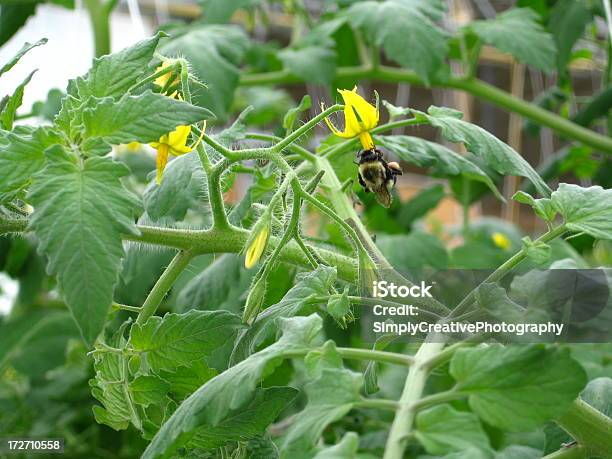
(163, 285)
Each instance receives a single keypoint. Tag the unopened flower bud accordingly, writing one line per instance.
(257, 242)
(254, 300)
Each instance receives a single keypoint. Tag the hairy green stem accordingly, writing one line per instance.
(569, 452)
(473, 86)
(589, 427)
(378, 356)
(163, 285)
(436, 399)
(99, 15)
(413, 390)
(377, 403)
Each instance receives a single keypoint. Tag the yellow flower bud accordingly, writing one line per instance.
(257, 245)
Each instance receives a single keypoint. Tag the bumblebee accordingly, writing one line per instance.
(377, 175)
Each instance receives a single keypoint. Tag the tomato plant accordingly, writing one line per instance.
(161, 315)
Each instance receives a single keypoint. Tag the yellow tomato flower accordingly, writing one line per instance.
(501, 240)
(360, 117)
(174, 143)
(257, 247)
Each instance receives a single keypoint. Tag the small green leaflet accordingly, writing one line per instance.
(406, 33)
(346, 449)
(148, 389)
(116, 411)
(517, 388)
(442, 430)
(144, 118)
(180, 339)
(235, 387)
(24, 49)
(332, 392)
(543, 207)
(8, 113)
(22, 155)
(114, 74)
(518, 32)
(247, 422)
(587, 210)
(442, 160)
(497, 155)
(293, 114)
(81, 210)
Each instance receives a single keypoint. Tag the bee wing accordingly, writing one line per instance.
(383, 196)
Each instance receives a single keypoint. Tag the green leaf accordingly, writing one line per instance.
(247, 422)
(144, 118)
(234, 388)
(313, 284)
(346, 449)
(494, 152)
(148, 389)
(81, 210)
(180, 339)
(418, 250)
(185, 380)
(444, 161)
(109, 387)
(442, 430)
(7, 116)
(112, 75)
(567, 21)
(406, 33)
(24, 49)
(221, 286)
(214, 53)
(542, 207)
(22, 155)
(518, 32)
(517, 388)
(395, 112)
(339, 307)
(587, 210)
(293, 114)
(314, 64)
(331, 392)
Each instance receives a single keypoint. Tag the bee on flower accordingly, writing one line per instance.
(375, 174)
